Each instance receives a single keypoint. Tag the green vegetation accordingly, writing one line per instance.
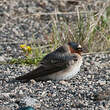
(91, 30)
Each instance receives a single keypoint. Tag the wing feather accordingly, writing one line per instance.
(51, 63)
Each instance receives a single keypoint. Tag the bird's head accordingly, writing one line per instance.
(75, 48)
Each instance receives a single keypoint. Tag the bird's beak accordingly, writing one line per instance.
(80, 49)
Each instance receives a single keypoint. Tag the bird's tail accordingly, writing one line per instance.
(22, 77)
(28, 76)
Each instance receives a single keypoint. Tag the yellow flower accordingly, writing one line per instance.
(26, 49)
(23, 46)
(29, 48)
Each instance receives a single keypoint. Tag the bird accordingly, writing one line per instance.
(61, 64)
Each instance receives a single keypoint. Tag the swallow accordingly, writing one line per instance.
(61, 64)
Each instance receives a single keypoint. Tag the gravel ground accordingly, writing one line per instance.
(84, 91)
(81, 92)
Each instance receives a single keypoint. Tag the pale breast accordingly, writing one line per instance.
(68, 73)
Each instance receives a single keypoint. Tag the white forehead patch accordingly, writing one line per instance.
(79, 46)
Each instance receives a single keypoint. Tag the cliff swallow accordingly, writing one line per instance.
(61, 64)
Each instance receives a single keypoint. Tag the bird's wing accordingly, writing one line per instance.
(51, 63)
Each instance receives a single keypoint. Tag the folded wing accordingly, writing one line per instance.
(50, 64)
